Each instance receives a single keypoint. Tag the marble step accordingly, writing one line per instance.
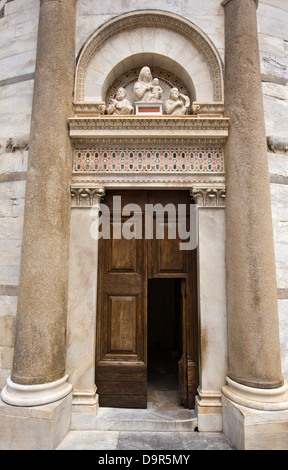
(115, 419)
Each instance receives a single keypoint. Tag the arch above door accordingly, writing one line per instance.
(126, 42)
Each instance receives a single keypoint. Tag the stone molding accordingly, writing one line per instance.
(92, 109)
(164, 142)
(35, 395)
(189, 127)
(208, 109)
(82, 196)
(154, 19)
(163, 123)
(225, 2)
(275, 399)
(89, 109)
(209, 196)
(66, 2)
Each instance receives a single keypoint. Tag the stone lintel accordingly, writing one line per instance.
(149, 126)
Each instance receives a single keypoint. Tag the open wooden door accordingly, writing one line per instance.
(124, 269)
(167, 260)
(121, 333)
(187, 366)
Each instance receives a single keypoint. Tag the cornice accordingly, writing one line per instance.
(153, 127)
(207, 190)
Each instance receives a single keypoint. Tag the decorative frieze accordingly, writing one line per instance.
(208, 109)
(142, 159)
(88, 109)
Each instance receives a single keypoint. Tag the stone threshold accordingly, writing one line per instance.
(148, 420)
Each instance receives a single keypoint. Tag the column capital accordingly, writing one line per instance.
(225, 2)
(65, 2)
(83, 196)
(59, 1)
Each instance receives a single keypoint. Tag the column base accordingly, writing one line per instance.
(35, 395)
(37, 428)
(250, 429)
(208, 408)
(275, 399)
(85, 407)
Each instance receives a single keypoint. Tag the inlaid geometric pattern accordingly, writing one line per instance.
(148, 160)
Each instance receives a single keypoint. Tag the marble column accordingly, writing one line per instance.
(254, 377)
(38, 375)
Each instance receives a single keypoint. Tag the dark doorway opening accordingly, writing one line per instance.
(164, 341)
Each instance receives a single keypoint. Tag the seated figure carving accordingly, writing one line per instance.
(146, 89)
(120, 105)
(177, 104)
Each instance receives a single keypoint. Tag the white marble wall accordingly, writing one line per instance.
(18, 39)
(206, 15)
(273, 41)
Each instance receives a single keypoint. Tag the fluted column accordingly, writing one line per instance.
(253, 330)
(40, 345)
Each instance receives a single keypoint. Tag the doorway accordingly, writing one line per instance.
(164, 341)
(147, 305)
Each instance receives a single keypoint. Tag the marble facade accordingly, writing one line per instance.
(18, 39)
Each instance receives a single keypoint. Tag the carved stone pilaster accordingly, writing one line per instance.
(209, 196)
(86, 196)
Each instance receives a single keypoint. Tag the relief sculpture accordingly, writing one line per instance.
(143, 88)
(120, 105)
(276, 143)
(177, 104)
(148, 92)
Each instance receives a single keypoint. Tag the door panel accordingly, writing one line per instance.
(122, 317)
(121, 320)
(124, 269)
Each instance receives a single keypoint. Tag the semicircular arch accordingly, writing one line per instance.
(132, 38)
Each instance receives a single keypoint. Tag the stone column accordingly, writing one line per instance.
(38, 374)
(254, 378)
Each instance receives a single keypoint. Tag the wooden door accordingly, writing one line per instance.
(124, 269)
(121, 333)
(167, 260)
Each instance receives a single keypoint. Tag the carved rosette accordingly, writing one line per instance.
(209, 197)
(86, 197)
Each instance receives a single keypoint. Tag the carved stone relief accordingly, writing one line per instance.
(166, 79)
(209, 196)
(13, 144)
(279, 144)
(147, 90)
(178, 104)
(154, 19)
(86, 196)
(120, 105)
